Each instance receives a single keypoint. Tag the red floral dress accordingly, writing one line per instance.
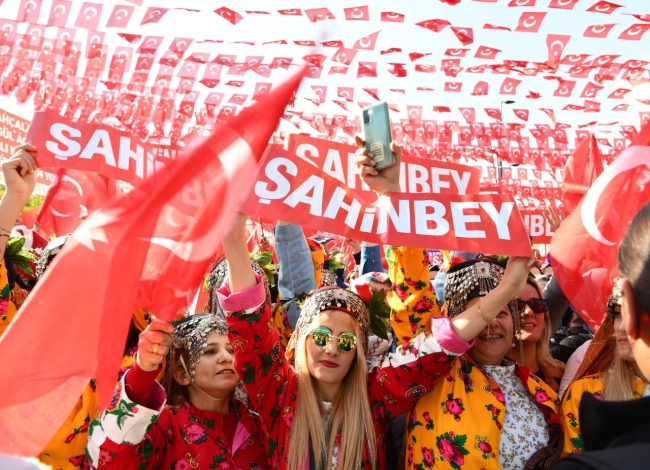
(393, 387)
(131, 436)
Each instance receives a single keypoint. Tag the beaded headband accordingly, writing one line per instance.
(615, 300)
(50, 251)
(192, 332)
(475, 276)
(328, 298)
(219, 275)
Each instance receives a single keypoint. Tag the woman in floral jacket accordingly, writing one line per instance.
(487, 412)
(619, 381)
(204, 426)
(328, 411)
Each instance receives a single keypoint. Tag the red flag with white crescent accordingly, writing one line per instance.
(72, 197)
(160, 238)
(582, 168)
(584, 249)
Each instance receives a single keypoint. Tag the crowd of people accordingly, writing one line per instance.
(480, 363)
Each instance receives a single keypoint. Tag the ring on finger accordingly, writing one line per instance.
(155, 348)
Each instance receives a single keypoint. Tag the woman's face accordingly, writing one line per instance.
(328, 364)
(215, 373)
(623, 347)
(532, 324)
(490, 349)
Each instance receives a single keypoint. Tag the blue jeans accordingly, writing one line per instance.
(296, 267)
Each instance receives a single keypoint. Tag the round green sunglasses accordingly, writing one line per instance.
(322, 336)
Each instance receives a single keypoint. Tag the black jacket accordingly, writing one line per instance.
(616, 435)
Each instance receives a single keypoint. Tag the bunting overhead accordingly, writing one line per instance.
(472, 82)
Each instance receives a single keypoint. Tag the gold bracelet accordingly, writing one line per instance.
(480, 312)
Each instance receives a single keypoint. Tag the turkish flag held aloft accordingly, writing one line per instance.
(585, 247)
(583, 167)
(162, 237)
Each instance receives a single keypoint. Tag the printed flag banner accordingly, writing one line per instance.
(294, 189)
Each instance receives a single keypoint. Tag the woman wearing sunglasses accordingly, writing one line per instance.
(328, 411)
(532, 347)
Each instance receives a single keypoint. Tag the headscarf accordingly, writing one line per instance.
(329, 298)
(468, 280)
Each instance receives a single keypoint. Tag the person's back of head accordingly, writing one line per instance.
(634, 265)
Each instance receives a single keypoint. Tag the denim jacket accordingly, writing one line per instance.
(296, 267)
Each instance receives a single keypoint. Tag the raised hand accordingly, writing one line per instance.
(20, 171)
(383, 181)
(553, 218)
(154, 344)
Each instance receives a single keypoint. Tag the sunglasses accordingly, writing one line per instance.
(536, 305)
(322, 336)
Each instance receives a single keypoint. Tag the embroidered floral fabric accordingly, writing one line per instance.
(524, 429)
(459, 424)
(411, 299)
(133, 436)
(570, 411)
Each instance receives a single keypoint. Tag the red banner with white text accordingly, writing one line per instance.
(294, 189)
(90, 147)
(417, 175)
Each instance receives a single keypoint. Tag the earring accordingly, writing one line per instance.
(513, 344)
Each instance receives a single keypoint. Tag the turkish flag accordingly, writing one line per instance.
(59, 12)
(229, 15)
(434, 25)
(581, 170)
(367, 43)
(555, 44)
(120, 16)
(480, 89)
(160, 238)
(529, 22)
(392, 17)
(496, 27)
(521, 3)
(484, 52)
(585, 247)
(469, 114)
(521, 114)
(28, 11)
(562, 4)
(604, 7)
(344, 56)
(357, 14)
(319, 14)
(453, 87)
(153, 15)
(634, 32)
(72, 197)
(89, 15)
(464, 35)
(509, 86)
(591, 90)
(598, 30)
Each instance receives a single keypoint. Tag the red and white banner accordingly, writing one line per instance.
(417, 176)
(13, 130)
(295, 189)
(90, 147)
(538, 227)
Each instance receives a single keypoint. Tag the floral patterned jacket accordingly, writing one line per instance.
(569, 412)
(411, 299)
(458, 424)
(131, 436)
(393, 387)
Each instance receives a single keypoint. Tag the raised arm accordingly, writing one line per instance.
(20, 179)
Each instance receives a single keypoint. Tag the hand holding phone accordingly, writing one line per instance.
(377, 135)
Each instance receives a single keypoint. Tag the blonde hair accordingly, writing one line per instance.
(618, 383)
(350, 416)
(550, 367)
